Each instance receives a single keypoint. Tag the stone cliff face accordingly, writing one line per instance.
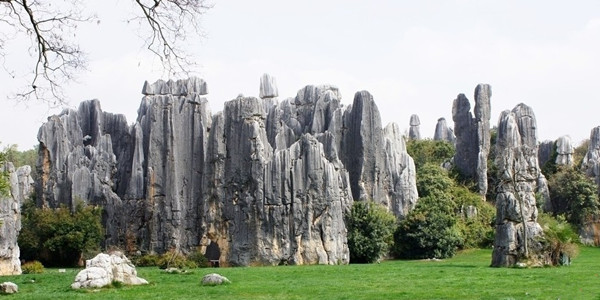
(517, 229)
(472, 132)
(21, 186)
(263, 181)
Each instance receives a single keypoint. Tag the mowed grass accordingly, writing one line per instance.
(466, 276)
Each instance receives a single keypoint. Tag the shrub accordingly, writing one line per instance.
(175, 259)
(32, 267)
(560, 239)
(429, 231)
(370, 231)
(147, 260)
(60, 237)
(477, 231)
(574, 195)
(198, 258)
(429, 151)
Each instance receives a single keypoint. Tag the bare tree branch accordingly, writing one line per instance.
(57, 59)
(170, 23)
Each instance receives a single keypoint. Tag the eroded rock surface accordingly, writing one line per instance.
(103, 269)
(262, 182)
(517, 230)
(20, 188)
(414, 133)
(443, 132)
(472, 132)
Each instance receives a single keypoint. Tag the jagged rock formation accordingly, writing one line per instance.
(443, 132)
(591, 161)
(20, 183)
(414, 133)
(517, 230)
(545, 151)
(268, 87)
(565, 151)
(473, 135)
(259, 183)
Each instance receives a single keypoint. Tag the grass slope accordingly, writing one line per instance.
(466, 276)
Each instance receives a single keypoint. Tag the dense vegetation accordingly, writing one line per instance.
(370, 231)
(465, 276)
(60, 237)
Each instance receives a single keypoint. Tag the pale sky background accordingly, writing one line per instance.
(413, 56)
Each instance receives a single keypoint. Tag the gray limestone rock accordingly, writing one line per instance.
(9, 288)
(268, 87)
(214, 279)
(591, 161)
(443, 132)
(262, 182)
(565, 151)
(103, 269)
(20, 184)
(473, 135)
(517, 230)
(414, 133)
(545, 150)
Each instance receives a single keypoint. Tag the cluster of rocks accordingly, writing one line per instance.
(517, 231)
(472, 132)
(104, 269)
(20, 187)
(265, 180)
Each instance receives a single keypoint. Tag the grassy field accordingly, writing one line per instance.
(466, 276)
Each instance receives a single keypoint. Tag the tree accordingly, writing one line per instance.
(429, 151)
(60, 237)
(370, 231)
(4, 181)
(429, 231)
(56, 57)
(574, 195)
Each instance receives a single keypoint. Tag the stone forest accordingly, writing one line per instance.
(266, 181)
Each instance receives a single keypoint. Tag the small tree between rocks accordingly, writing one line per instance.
(370, 231)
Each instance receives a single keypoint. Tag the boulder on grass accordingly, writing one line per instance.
(8, 288)
(103, 269)
(214, 279)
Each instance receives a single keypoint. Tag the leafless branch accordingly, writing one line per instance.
(57, 59)
(171, 22)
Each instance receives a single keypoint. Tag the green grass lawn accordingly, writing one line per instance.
(466, 276)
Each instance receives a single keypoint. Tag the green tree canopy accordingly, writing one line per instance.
(370, 231)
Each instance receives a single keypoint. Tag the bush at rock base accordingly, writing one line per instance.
(32, 267)
(370, 232)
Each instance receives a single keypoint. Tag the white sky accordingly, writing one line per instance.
(413, 56)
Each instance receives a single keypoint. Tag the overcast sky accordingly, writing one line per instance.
(414, 57)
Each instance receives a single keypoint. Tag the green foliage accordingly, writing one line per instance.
(432, 180)
(550, 167)
(59, 237)
(32, 267)
(370, 231)
(4, 180)
(574, 195)
(147, 260)
(198, 258)
(476, 231)
(175, 259)
(430, 230)
(560, 237)
(21, 158)
(580, 153)
(429, 151)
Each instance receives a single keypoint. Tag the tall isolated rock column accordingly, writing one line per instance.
(20, 187)
(443, 132)
(591, 161)
(517, 230)
(414, 132)
(473, 135)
